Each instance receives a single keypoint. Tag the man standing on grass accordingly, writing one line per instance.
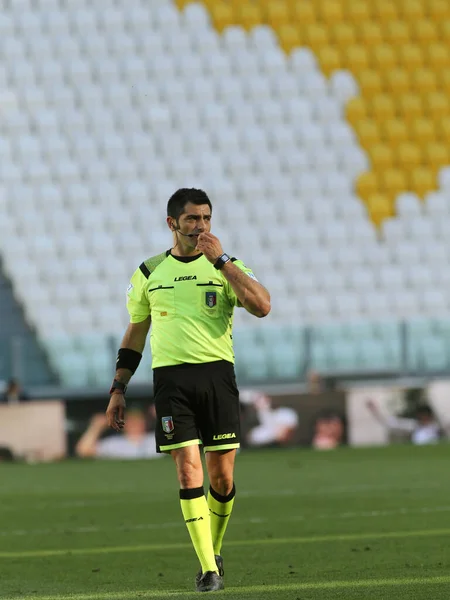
(188, 295)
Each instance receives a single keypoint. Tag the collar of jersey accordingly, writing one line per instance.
(184, 259)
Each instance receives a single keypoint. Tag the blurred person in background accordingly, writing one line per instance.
(329, 431)
(13, 393)
(315, 382)
(275, 426)
(134, 442)
(423, 428)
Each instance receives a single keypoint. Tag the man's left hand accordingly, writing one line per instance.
(210, 246)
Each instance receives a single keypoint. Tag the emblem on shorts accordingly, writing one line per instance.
(211, 299)
(167, 424)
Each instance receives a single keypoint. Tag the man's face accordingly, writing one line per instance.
(135, 424)
(195, 219)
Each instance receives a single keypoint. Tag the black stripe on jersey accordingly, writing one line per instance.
(144, 270)
(162, 287)
(234, 259)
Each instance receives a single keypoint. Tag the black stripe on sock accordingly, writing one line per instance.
(192, 493)
(217, 514)
(220, 498)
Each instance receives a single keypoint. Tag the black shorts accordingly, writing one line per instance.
(196, 404)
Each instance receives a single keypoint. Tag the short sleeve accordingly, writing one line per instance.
(137, 302)
(231, 293)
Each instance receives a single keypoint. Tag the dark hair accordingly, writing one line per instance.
(424, 409)
(178, 201)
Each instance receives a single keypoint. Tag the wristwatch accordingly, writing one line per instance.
(118, 385)
(222, 260)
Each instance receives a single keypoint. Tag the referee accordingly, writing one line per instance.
(188, 295)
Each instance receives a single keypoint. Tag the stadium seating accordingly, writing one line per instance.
(327, 167)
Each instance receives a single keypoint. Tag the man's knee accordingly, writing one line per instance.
(189, 467)
(221, 479)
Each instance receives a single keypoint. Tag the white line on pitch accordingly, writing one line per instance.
(250, 590)
(369, 514)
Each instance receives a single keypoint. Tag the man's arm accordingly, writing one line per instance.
(134, 339)
(87, 444)
(251, 294)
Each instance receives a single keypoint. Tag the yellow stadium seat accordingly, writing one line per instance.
(316, 36)
(410, 107)
(397, 32)
(356, 110)
(411, 10)
(385, 11)
(250, 15)
(444, 80)
(382, 107)
(438, 9)
(358, 12)
(424, 81)
(277, 13)
(222, 15)
(394, 132)
(182, 3)
(438, 56)
(422, 180)
(370, 83)
(411, 57)
(443, 130)
(356, 58)
(436, 155)
(382, 157)
(343, 35)
(393, 181)
(397, 82)
(383, 57)
(368, 133)
(289, 36)
(370, 34)
(423, 131)
(367, 185)
(303, 13)
(424, 31)
(437, 105)
(329, 11)
(380, 207)
(408, 156)
(444, 30)
(329, 59)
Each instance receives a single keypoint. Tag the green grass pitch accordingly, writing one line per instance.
(350, 524)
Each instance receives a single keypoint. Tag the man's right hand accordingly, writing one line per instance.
(115, 413)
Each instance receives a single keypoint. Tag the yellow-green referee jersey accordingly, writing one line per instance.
(191, 305)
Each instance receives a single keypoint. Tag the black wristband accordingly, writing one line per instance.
(118, 385)
(128, 359)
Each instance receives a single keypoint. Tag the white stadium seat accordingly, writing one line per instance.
(107, 112)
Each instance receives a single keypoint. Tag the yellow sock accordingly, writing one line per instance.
(196, 515)
(220, 508)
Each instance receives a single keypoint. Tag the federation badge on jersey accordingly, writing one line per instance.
(129, 288)
(211, 299)
(167, 424)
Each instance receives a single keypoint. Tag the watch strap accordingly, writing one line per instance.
(221, 261)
